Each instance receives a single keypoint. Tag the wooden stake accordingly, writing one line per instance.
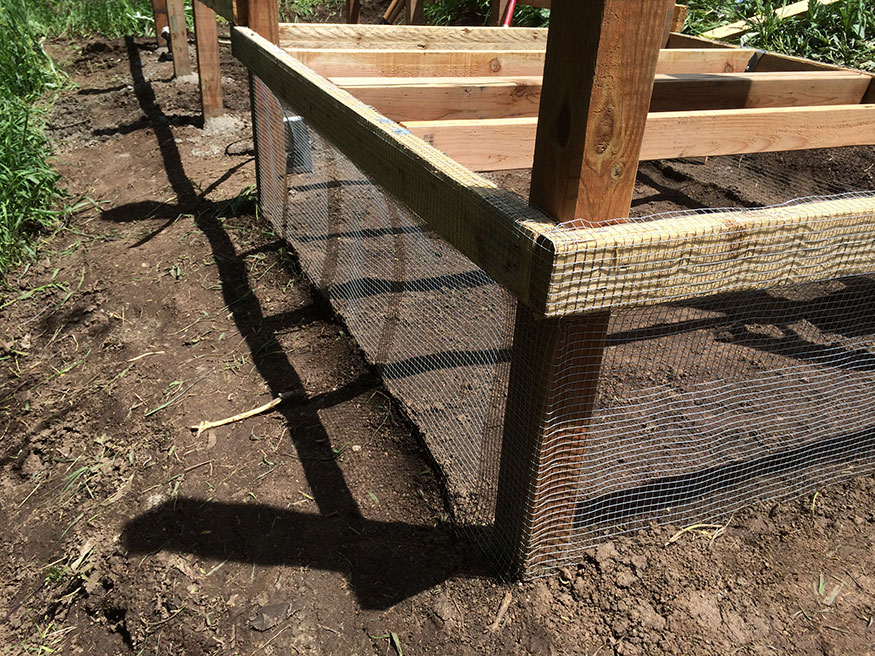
(497, 9)
(353, 11)
(159, 11)
(598, 79)
(207, 43)
(414, 12)
(178, 38)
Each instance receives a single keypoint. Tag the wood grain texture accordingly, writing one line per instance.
(159, 13)
(440, 98)
(461, 63)
(233, 11)
(690, 256)
(501, 144)
(209, 73)
(178, 38)
(404, 37)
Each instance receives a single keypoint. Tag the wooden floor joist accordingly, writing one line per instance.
(442, 98)
(461, 63)
(500, 144)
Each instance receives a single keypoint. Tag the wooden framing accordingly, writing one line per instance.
(159, 13)
(598, 120)
(209, 73)
(178, 38)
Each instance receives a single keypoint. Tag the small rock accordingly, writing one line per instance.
(624, 577)
(269, 616)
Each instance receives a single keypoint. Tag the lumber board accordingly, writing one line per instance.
(500, 144)
(488, 224)
(413, 12)
(159, 13)
(209, 72)
(435, 99)
(689, 256)
(305, 36)
(178, 38)
(233, 11)
(738, 28)
(461, 63)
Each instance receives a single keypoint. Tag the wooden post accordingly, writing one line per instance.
(159, 12)
(178, 38)
(498, 8)
(268, 129)
(353, 10)
(207, 39)
(598, 78)
(414, 12)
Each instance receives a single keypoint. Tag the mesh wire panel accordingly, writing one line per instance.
(681, 412)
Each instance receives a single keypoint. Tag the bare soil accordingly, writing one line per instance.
(319, 528)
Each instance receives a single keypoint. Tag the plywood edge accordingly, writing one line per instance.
(489, 225)
(689, 256)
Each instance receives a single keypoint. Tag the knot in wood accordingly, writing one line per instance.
(495, 64)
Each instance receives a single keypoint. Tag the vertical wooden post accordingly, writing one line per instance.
(353, 10)
(159, 12)
(178, 38)
(598, 78)
(414, 12)
(268, 129)
(497, 10)
(207, 39)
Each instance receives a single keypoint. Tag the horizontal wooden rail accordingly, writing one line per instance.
(462, 63)
(500, 144)
(689, 256)
(294, 36)
(445, 98)
(233, 11)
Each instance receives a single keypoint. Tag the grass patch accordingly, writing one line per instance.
(840, 33)
(308, 10)
(477, 12)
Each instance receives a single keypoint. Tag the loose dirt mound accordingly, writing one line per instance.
(319, 528)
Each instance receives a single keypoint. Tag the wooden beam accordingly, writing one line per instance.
(210, 75)
(598, 81)
(414, 12)
(738, 28)
(500, 144)
(696, 255)
(461, 63)
(178, 38)
(353, 11)
(294, 36)
(496, 11)
(448, 98)
(159, 12)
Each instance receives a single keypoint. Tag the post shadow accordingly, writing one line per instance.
(384, 561)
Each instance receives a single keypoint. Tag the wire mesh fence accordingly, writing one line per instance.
(681, 412)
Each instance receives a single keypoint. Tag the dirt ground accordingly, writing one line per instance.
(319, 528)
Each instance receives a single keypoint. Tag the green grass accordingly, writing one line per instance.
(29, 194)
(476, 12)
(840, 33)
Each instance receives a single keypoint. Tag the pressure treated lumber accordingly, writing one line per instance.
(159, 13)
(736, 29)
(499, 144)
(445, 98)
(459, 63)
(409, 37)
(209, 73)
(353, 11)
(178, 38)
(592, 118)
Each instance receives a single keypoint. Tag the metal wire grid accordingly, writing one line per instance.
(703, 405)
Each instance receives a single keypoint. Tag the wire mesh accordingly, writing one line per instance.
(681, 412)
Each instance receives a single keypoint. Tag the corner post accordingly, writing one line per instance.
(159, 13)
(210, 75)
(178, 38)
(268, 130)
(599, 71)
